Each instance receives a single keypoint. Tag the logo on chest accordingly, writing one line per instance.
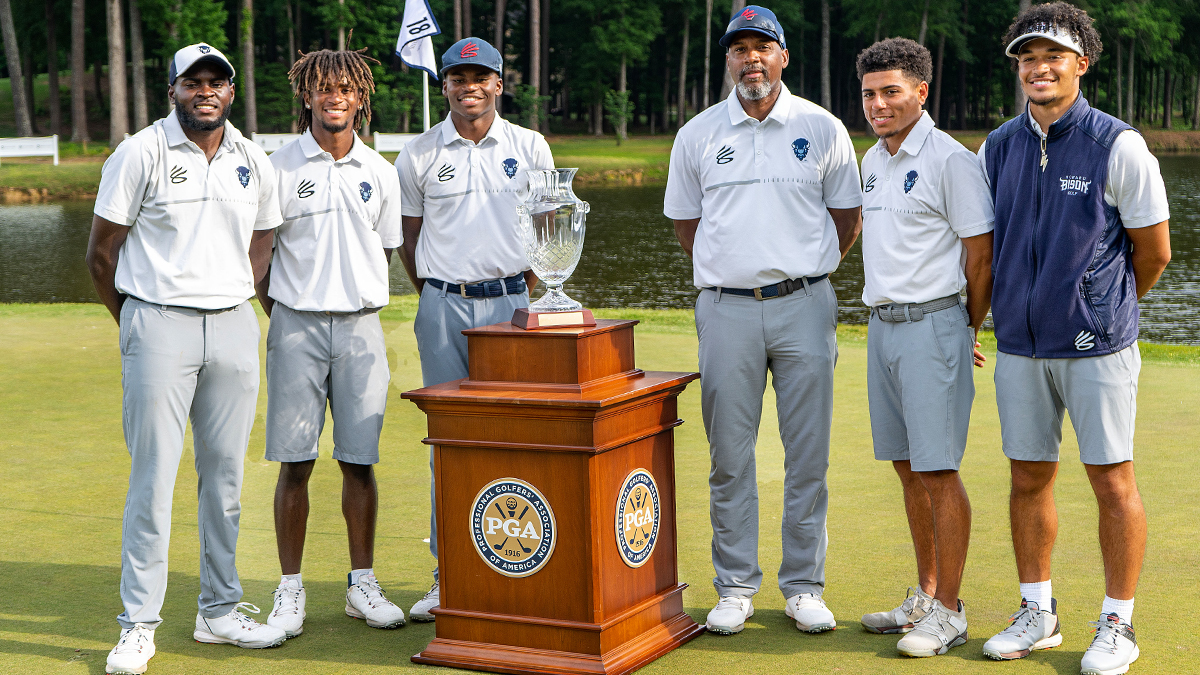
(510, 167)
(1073, 185)
(178, 174)
(364, 191)
(305, 189)
(445, 173)
(243, 175)
(870, 184)
(910, 181)
(725, 155)
(800, 148)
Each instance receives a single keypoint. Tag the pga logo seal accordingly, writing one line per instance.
(512, 527)
(638, 516)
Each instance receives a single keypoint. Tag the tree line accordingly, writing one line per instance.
(572, 66)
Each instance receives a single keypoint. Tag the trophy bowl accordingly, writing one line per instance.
(552, 223)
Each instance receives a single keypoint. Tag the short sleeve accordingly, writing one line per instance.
(412, 197)
(389, 228)
(1135, 185)
(684, 194)
(269, 214)
(968, 201)
(124, 178)
(841, 187)
(542, 157)
(982, 155)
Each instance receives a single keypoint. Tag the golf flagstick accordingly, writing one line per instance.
(414, 46)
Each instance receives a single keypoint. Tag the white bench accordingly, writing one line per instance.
(392, 142)
(272, 142)
(38, 146)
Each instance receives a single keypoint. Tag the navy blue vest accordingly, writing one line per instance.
(1064, 283)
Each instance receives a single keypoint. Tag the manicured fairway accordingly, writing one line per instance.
(65, 470)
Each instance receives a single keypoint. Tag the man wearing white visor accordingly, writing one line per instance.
(1081, 234)
(182, 230)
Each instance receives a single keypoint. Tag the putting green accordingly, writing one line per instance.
(66, 472)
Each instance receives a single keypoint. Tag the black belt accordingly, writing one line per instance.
(493, 288)
(785, 287)
(907, 313)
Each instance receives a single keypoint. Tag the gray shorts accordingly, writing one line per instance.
(1100, 392)
(920, 388)
(314, 357)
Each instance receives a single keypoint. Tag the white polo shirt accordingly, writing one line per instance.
(338, 216)
(1135, 184)
(917, 207)
(468, 196)
(761, 191)
(190, 219)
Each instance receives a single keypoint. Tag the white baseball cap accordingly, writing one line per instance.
(1050, 32)
(191, 55)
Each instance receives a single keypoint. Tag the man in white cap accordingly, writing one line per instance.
(765, 196)
(328, 281)
(1081, 234)
(182, 230)
(461, 182)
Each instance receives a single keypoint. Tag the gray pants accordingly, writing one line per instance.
(178, 363)
(315, 357)
(441, 319)
(741, 338)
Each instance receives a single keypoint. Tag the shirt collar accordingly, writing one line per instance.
(450, 133)
(312, 149)
(916, 136)
(779, 112)
(176, 137)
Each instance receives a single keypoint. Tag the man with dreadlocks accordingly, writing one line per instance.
(1081, 234)
(327, 283)
(462, 181)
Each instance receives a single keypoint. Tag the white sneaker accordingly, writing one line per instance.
(420, 611)
(238, 629)
(288, 613)
(1113, 648)
(365, 600)
(133, 651)
(810, 613)
(903, 618)
(1030, 629)
(729, 616)
(936, 632)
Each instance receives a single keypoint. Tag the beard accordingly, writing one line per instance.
(189, 121)
(754, 92)
(334, 128)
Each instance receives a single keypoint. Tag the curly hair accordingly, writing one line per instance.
(1057, 16)
(896, 54)
(326, 67)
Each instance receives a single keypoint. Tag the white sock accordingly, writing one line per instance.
(1122, 608)
(356, 575)
(1040, 593)
(283, 579)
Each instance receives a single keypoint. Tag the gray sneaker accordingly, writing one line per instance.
(903, 618)
(1030, 629)
(937, 632)
(420, 611)
(1113, 648)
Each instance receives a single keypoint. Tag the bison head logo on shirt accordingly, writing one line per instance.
(910, 179)
(800, 147)
(510, 167)
(364, 191)
(243, 176)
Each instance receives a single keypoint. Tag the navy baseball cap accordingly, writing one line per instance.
(757, 19)
(191, 55)
(472, 51)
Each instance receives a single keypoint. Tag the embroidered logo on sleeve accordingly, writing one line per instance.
(364, 191)
(445, 173)
(800, 146)
(725, 155)
(870, 184)
(1073, 185)
(510, 167)
(910, 180)
(178, 174)
(243, 174)
(305, 189)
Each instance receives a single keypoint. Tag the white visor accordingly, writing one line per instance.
(1050, 32)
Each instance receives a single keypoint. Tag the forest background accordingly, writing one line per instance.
(572, 66)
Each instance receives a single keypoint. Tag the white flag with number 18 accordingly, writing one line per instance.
(415, 44)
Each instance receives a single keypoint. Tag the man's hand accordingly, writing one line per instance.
(848, 223)
(978, 271)
(1151, 253)
(104, 248)
(685, 232)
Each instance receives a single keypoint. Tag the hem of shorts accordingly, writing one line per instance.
(355, 459)
(934, 466)
(289, 457)
(1056, 457)
(1115, 461)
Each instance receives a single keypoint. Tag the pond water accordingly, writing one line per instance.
(630, 258)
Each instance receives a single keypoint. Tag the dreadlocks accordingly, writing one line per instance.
(1059, 16)
(327, 67)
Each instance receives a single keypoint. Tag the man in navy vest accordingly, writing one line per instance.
(1081, 234)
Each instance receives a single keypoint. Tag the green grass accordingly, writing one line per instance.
(66, 472)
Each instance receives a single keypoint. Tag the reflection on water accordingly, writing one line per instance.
(630, 257)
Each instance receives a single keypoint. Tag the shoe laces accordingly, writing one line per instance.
(287, 600)
(1023, 620)
(370, 588)
(730, 602)
(811, 599)
(912, 600)
(433, 591)
(934, 623)
(245, 621)
(1106, 630)
(134, 639)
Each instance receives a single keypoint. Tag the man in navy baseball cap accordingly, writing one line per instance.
(472, 51)
(756, 19)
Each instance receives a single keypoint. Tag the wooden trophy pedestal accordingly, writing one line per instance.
(559, 426)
